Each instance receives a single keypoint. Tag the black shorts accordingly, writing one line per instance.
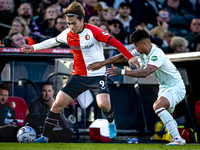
(78, 84)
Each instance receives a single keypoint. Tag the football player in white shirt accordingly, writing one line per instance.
(85, 42)
(171, 90)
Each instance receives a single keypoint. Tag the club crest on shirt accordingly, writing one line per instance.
(87, 37)
(154, 58)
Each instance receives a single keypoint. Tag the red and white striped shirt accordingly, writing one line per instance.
(86, 47)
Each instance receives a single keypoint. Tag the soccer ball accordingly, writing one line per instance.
(26, 134)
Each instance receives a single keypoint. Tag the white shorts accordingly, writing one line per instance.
(174, 96)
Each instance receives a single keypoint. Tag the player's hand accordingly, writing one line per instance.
(14, 124)
(114, 71)
(134, 62)
(95, 66)
(27, 48)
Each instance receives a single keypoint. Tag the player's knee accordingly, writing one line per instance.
(104, 105)
(56, 109)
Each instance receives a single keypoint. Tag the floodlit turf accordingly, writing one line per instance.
(94, 146)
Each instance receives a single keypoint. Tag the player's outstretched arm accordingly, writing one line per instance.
(140, 73)
(27, 49)
(132, 60)
(115, 59)
(42, 45)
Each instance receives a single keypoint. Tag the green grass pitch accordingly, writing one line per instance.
(94, 146)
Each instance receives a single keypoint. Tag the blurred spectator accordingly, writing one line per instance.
(197, 43)
(179, 19)
(179, 44)
(166, 42)
(38, 4)
(19, 26)
(25, 11)
(2, 5)
(8, 124)
(116, 31)
(146, 10)
(49, 20)
(142, 24)
(89, 5)
(9, 9)
(60, 25)
(114, 3)
(95, 20)
(41, 9)
(158, 32)
(163, 18)
(101, 9)
(126, 19)
(187, 6)
(151, 9)
(4, 20)
(16, 40)
(112, 12)
(137, 10)
(63, 3)
(194, 31)
(38, 110)
(104, 12)
(58, 9)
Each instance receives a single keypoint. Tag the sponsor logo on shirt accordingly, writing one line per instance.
(82, 47)
(154, 58)
(104, 33)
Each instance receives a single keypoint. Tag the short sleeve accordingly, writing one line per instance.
(156, 60)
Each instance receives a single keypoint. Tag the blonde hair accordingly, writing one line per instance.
(13, 5)
(178, 41)
(25, 31)
(55, 5)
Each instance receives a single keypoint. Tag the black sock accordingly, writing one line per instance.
(110, 115)
(50, 122)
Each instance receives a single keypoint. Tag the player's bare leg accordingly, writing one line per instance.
(62, 100)
(160, 107)
(103, 101)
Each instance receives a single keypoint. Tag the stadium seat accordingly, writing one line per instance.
(20, 108)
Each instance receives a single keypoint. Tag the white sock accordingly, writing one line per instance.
(168, 121)
(175, 123)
